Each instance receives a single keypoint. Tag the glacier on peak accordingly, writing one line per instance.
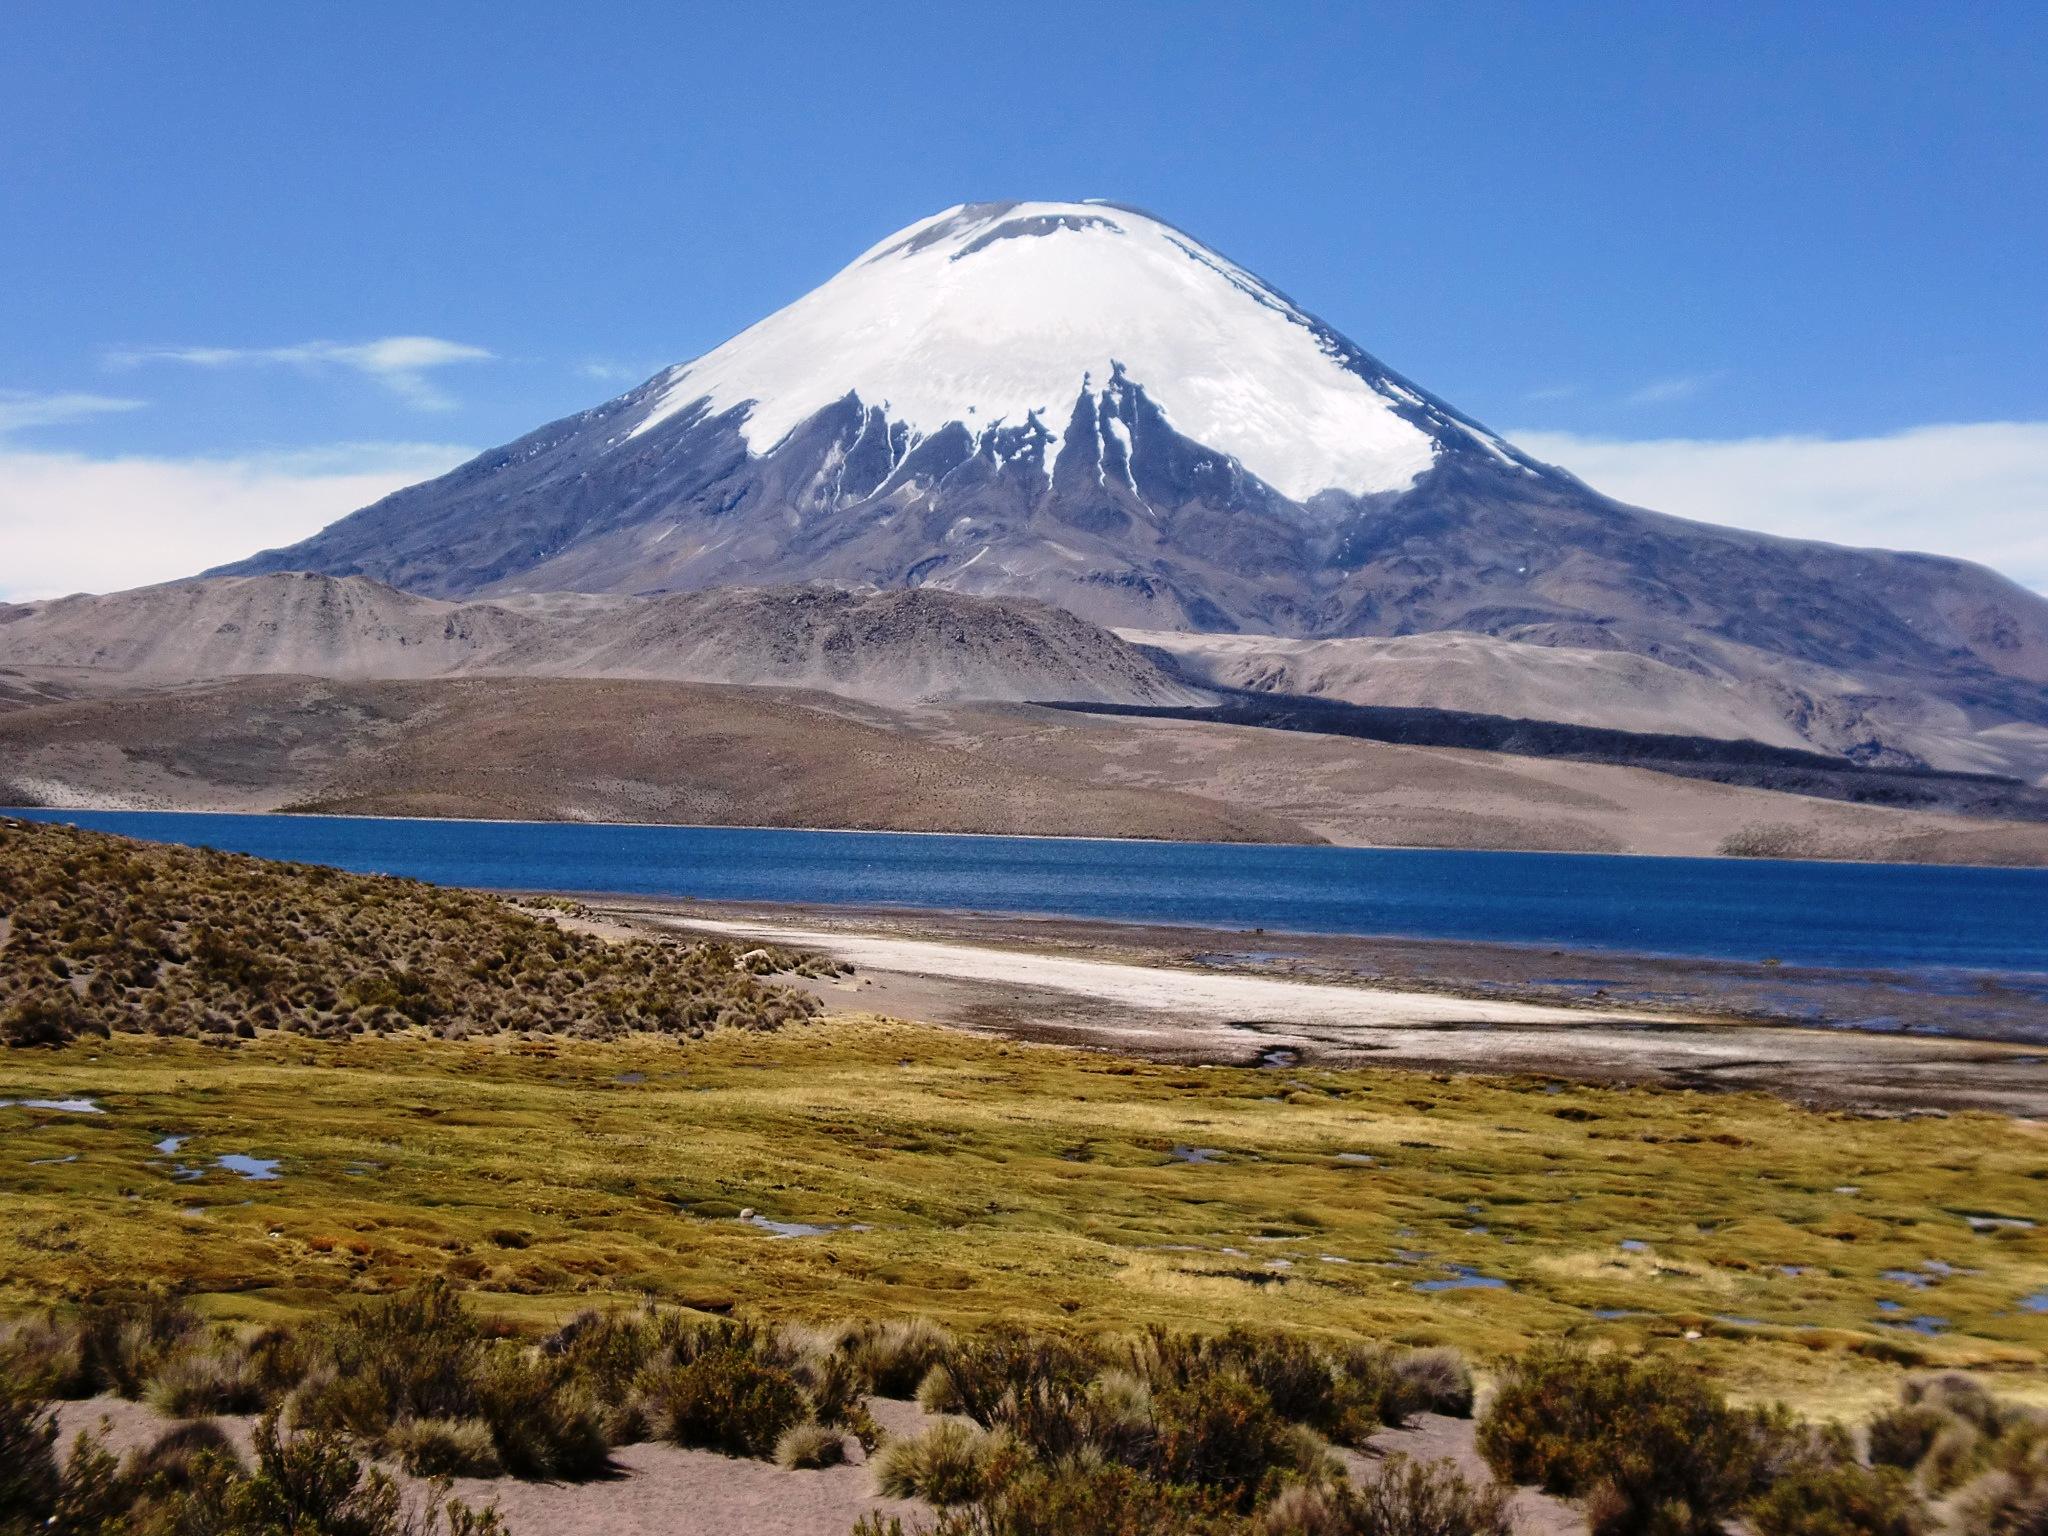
(1001, 314)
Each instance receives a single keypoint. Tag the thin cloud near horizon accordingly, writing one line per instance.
(399, 363)
(1973, 490)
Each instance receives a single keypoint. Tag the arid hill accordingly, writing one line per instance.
(621, 750)
(897, 647)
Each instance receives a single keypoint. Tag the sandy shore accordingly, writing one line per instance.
(1180, 994)
(1304, 999)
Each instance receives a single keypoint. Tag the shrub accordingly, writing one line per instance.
(810, 1445)
(1407, 1498)
(1029, 1384)
(179, 1458)
(1651, 1444)
(123, 1341)
(29, 1476)
(414, 1355)
(2004, 1502)
(444, 1448)
(1902, 1436)
(41, 1358)
(1221, 1433)
(835, 1387)
(725, 1400)
(894, 1357)
(1842, 1500)
(212, 1374)
(308, 1485)
(1433, 1381)
(950, 1463)
(543, 1422)
(1101, 1499)
(1122, 1420)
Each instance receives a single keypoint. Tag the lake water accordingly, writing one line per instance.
(1905, 916)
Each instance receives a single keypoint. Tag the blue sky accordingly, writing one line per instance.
(1784, 265)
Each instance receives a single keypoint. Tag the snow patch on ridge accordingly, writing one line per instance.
(958, 318)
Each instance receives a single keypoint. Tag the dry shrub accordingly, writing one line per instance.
(808, 1446)
(1840, 1500)
(444, 1448)
(1407, 1498)
(208, 1374)
(179, 1458)
(1651, 1445)
(949, 1463)
(1433, 1381)
(895, 1356)
(725, 1399)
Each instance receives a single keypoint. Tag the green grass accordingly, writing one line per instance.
(1033, 1184)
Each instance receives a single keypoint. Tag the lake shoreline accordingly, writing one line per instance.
(1339, 1001)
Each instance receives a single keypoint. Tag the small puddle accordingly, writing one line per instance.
(630, 1079)
(1634, 1245)
(1999, 1223)
(1279, 1056)
(249, 1167)
(1912, 1277)
(2038, 1302)
(51, 1162)
(61, 1106)
(798, 1228)
(1197, 1154)
(1463, 1278)
(1357, 1159)
(170, 1144)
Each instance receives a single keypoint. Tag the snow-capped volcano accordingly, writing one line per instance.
(1012, 315)
(1079, 403)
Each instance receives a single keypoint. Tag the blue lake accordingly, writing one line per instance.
(1893, 915)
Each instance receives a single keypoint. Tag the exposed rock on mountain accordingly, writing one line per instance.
(1079, 403)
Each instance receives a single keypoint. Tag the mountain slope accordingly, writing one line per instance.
(897, 647)
(1079, 403)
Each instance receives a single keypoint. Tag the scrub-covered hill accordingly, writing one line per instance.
(99, 934)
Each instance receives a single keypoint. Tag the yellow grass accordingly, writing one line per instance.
(1034, 1184)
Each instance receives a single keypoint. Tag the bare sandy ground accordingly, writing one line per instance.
(662, 1490)
(1160, 1006)
(1181, 996)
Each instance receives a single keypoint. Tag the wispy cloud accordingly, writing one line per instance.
(1978, 490)
(1677, 386)
(20, 409)
(400, 363)
(74, 523)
